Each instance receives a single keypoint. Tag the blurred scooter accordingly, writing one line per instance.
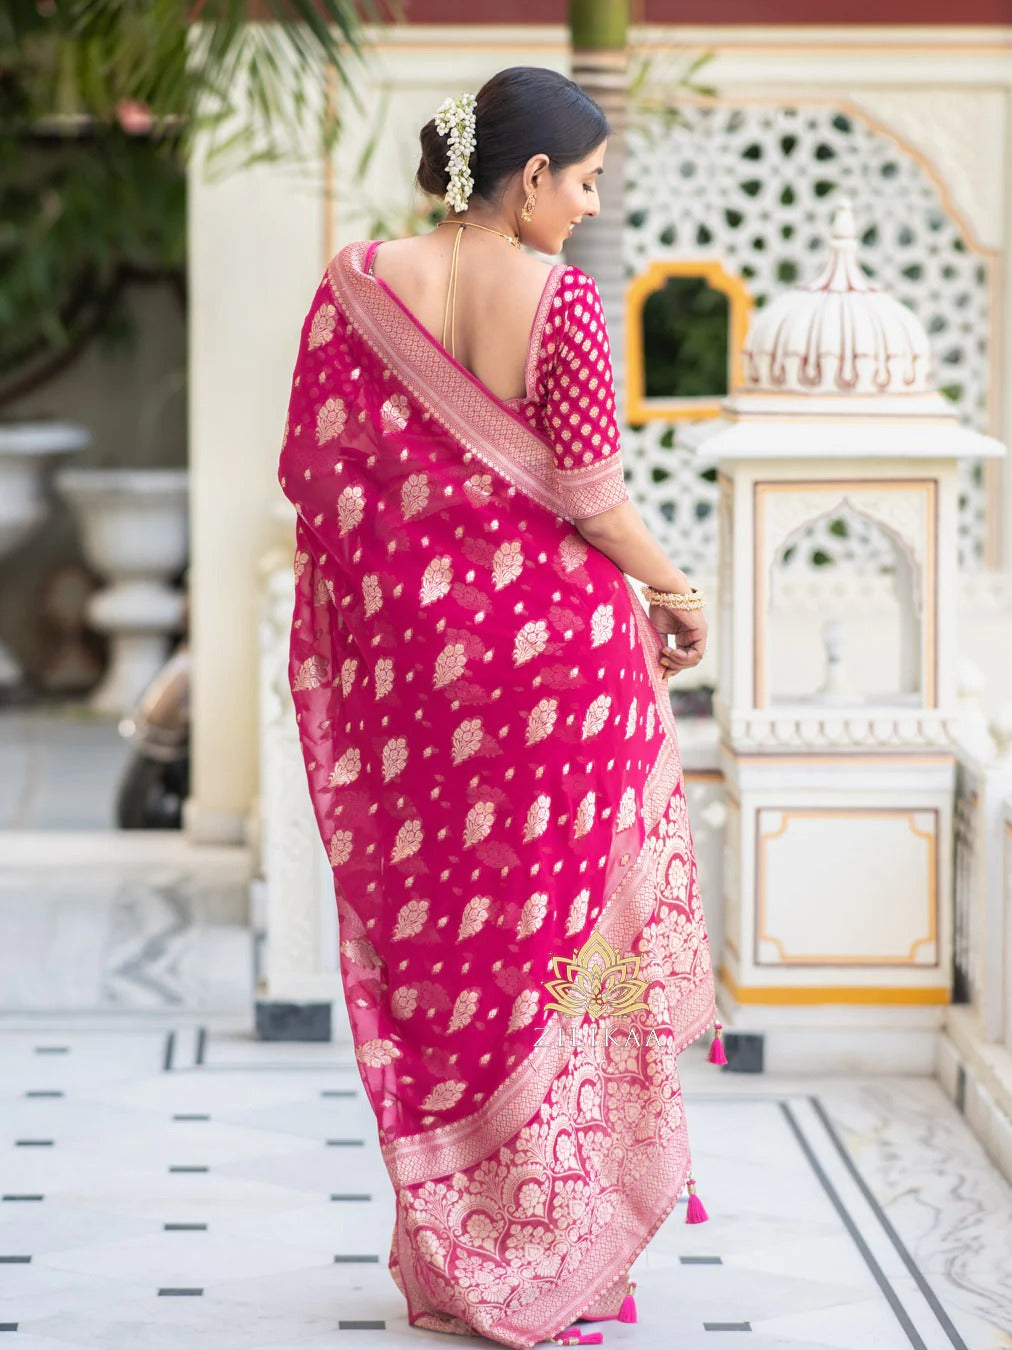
(156, 780)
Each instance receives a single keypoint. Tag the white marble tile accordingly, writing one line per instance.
(950, 1206)
(160, 1323)
(35, 1291)
(212, 1091)
(315, 1299)
(851, 1326)
(33, 1228)
(158, 1144)
(173, 1258)
(328, 1226)
(737, 1294)
(27, 1341)
(316, 1118)
(809, 1258)
(320, 1170)
(90, 1058)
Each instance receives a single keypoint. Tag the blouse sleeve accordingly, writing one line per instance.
(579, 403)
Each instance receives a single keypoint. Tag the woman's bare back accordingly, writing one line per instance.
(499, 289)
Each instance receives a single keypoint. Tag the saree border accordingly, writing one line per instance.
(552, 284)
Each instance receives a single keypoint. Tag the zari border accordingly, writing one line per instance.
(610, 1255)
(448, 392)
(537, 331)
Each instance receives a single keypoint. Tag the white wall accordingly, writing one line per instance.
(259, 242)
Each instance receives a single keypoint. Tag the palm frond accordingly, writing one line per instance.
(87, 58)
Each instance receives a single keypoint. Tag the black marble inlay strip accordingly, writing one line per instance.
(356, 1258)
(189, 1169)
(33, 1143)
(929, 1294)
(15, 1260)
(43, 1092)
(183, 1116)
(173, 1293)
(727, 1326)
(201, 1043)
(170, 1050)
(701, 1260)
(185, 1227)
(52, 1049)
(902, 1316)
(338, 1143)
(22, 1197)
(361, 1326)
(351, 1196)
(338, 1092)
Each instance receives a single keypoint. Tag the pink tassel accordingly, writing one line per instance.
(574, 1336)
(695, 1213)
(627, 1312)
(716, 1055)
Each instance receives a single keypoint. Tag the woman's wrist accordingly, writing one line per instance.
(673, 581)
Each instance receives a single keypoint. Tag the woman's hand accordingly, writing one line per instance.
(689, 629)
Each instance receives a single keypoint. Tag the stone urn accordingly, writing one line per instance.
(133, 532)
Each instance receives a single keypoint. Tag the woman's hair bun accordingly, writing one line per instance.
(519, 112)
(433, 176)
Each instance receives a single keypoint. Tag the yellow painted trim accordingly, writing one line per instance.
(796, 995)
(849, 813)
(914, 759)
(639, 408)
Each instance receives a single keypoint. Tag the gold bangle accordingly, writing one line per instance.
(692, 599)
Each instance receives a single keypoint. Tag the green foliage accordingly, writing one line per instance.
(685, 339)
(81, 217)
(103, 104)
(652, 112)
(251, 91)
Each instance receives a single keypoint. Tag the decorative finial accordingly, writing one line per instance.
(843, 229)
(842, 272)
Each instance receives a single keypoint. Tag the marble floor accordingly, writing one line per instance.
(62, 764)
(138, 920)
(176, 1183)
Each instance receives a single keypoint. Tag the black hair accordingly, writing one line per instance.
(519, 112)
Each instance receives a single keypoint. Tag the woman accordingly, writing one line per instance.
(489, 743)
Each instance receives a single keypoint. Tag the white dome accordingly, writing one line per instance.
(838, 334)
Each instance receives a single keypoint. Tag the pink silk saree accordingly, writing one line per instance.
(493, 765)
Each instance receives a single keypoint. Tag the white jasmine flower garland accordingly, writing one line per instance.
(455, 116)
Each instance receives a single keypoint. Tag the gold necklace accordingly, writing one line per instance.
(450, 308)
(514, 239)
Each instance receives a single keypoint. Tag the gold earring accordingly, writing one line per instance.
(528, 206)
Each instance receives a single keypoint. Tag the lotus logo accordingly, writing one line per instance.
(597, 981)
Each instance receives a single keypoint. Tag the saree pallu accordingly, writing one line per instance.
(494, 769)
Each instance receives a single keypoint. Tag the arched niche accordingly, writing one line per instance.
(685, 326)
(878, 613)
